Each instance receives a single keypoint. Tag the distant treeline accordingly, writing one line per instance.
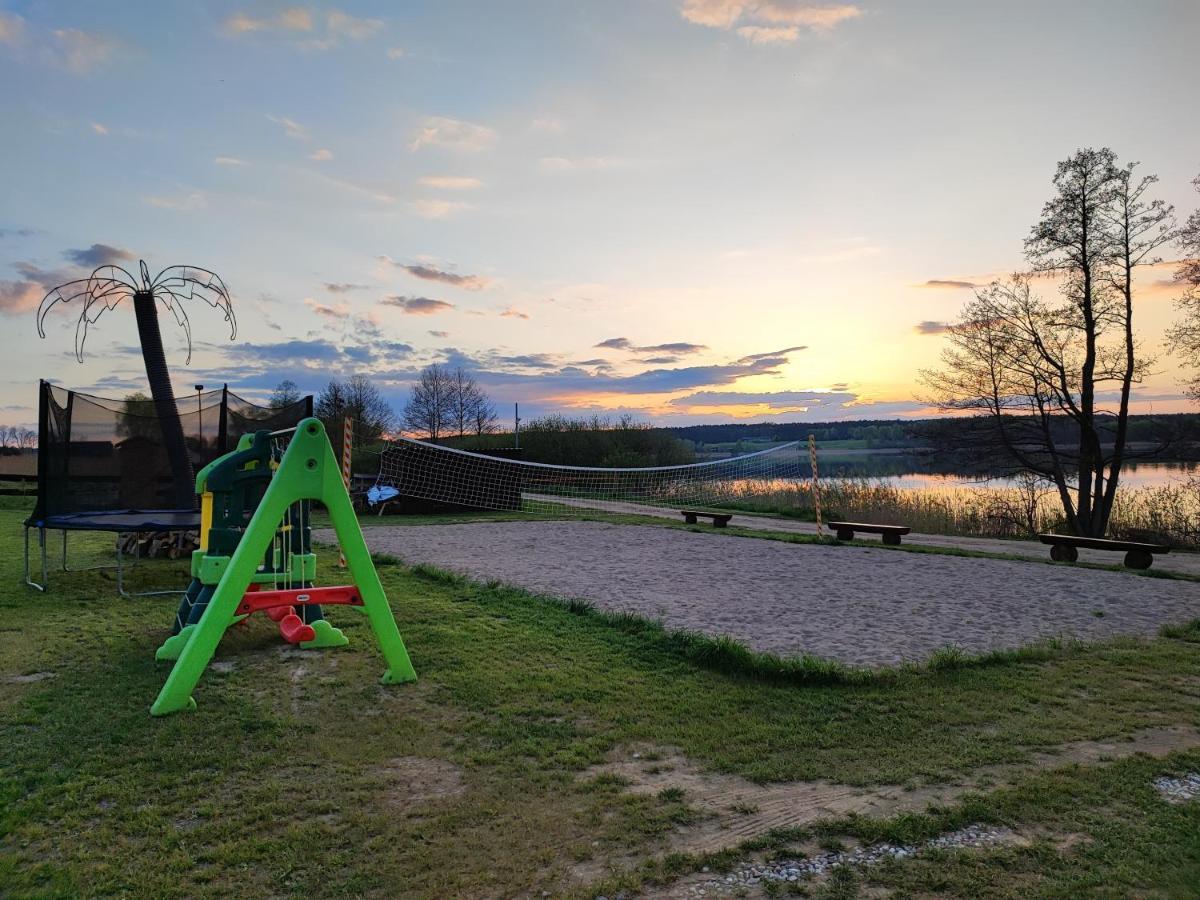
(1178, 430)
(595, 441)
(627, 442)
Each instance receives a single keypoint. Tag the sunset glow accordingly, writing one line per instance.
(691, 210)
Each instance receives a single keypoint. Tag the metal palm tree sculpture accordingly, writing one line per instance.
(108, 286)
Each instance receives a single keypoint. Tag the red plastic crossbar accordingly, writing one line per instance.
(344, 595)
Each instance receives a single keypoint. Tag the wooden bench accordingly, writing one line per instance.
(1065, 548)
(719, 520)
(891, 533)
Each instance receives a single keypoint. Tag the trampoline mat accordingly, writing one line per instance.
(123, 520)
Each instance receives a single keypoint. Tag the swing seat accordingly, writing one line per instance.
(294, 631)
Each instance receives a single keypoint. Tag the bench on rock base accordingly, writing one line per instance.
(1065, 548)
(891, 533)
(719, 519)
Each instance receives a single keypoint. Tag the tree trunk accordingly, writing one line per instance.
(184, 490)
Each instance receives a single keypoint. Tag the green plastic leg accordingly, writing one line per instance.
(308, 471)
(326, 636)
(174, 645)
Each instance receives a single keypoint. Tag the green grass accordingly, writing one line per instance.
(277, 784)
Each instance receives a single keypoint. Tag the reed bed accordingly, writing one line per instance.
(1167, 514)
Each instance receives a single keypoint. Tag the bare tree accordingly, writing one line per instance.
(286, 393)
(1184, 336)
(430, 407)
(358, 398)
(1028, 366)
(462, 387)
(484, 418)
(471, 410)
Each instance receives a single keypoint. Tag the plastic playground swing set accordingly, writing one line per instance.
(256, 555)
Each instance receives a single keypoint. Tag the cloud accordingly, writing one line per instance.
(99, 129)
(395, 52)
(511, 313)
(82, 51)
(547, 126)
(298, 21)
(97, 255)
(770, 34)
(342, 287)
(24, 294)
(17, 297)
(767, 21)
(620, 343)
(437, 209)
(321, 155)
(617, 343)
(774, 354)
(190, 200)
(16, 232)
(449, 182)
(336, 311)
(76, 51)
(345, 25)
(229, 161)
(944, 283)
(440, 334)
(928, 327)
(840, 404)
(349, 187)
(418, 306)
(291, 127)
(12, 28)
(562, 164)
(295, 19)
(453, 134)
(677, 347)
(659, 360)
(429, 273)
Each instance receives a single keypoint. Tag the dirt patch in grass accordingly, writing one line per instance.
(411, 780)
(31, 678)
(733, 809)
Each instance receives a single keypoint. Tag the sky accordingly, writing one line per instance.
(689, 210)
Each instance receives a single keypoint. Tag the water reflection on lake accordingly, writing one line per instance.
(913, 471)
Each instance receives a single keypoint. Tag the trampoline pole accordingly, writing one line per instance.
(29, 581)
(120, 572)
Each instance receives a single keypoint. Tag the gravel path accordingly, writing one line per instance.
(855, 604)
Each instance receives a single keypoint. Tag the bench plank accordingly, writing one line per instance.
(1092, 543)
(891, 533)
(1065, 548)
(719, 519)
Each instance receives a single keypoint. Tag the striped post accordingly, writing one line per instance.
(816, 481)
(347, 450)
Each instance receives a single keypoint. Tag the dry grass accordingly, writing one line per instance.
(1167, 513)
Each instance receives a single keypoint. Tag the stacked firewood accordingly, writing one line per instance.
(159, 544)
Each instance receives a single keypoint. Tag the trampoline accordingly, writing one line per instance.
(102, 464)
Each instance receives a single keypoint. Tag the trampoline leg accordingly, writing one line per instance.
(42, 540)
(120, 573)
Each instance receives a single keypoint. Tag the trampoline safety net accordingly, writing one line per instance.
(99, 458)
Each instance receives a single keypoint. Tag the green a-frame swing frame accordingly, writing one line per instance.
(308, 470)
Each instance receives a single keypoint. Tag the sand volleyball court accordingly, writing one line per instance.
(857, 605)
